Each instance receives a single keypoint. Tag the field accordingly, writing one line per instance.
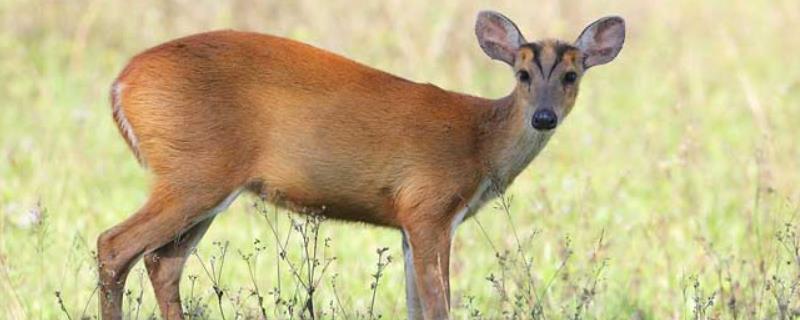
(671, 192)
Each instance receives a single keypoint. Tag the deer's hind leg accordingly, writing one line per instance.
(165, 266)
(168, 213)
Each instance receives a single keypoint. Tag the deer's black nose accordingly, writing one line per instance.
(544, 119)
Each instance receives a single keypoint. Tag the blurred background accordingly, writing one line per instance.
(673, 191)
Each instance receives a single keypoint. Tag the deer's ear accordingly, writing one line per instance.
(498, 36)
(601, 41)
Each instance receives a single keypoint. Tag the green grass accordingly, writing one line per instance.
(682, 154)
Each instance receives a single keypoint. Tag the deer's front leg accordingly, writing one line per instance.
(429, 245)
(413, 303)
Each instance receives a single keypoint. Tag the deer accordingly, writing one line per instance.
(217, 114)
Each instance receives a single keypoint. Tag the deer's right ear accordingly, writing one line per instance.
(498, 36)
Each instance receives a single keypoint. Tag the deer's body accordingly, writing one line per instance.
(219, 113)
(330, 132)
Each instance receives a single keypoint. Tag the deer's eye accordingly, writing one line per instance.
(570, 77)
(524, 76)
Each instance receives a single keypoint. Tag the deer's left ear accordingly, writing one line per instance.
(601, 41)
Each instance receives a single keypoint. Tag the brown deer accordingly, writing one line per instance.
(215, 114)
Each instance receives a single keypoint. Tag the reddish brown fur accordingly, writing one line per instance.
(267, 128)
(218, 112)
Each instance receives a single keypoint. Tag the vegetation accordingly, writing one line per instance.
(673, 190)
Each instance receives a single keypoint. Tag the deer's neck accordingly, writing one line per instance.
(508, 142)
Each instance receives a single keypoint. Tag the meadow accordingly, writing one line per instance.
(671, 192)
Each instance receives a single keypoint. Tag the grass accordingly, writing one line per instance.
(673, 191)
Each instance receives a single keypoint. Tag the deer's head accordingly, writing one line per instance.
(548, 72)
